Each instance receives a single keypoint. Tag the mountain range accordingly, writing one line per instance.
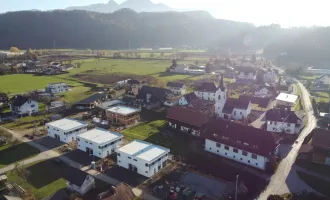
(136, 5)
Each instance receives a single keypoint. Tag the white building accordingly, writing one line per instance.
(66, 130)
(142, 157)
(244, 144)
(179, 69)
(176, 88)
(270, 76)
(247, 73)
(282, 120)
(317, 71)
(57, 87)
(22, 105)
(324, 79)
(284, 99)
(79, 181)
(236, 109)
(206, 91)
(99, 142)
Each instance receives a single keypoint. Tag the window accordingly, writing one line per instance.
(234, 156)
(257, 164)
(248, 161)
(270, 122)
(210, 148)
(225, 153)
(226, 147)
(86, 142)
(241, 158)
(147, 165)
(146, 172)
(218, 151)
(218, 145)
(235, 150)
(254, 156)
(244, 153)
(134, 159)
(289, 124)
(118, 154)
(129, 158)
(241, 113)
(234, 113)
(159, 167)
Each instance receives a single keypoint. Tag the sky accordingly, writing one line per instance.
(287, 13)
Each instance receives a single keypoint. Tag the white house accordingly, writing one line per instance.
(187, 98)
(244, 144)
(22, 105)
(284, 99)
(99, 142)
(179, 69)
(142, 157)
(206, 91)
(283, 120)
(176, 88)
(79, 181)
(270, 76)
(323, 79)
(261, 91)
(57, 87)
(66, 130)
(225, 108)
(247, 73)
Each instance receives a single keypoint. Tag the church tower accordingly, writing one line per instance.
(220, 98)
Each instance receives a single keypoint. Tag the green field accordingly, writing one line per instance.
(10, 154)
(144, 130)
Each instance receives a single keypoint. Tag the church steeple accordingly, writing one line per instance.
(221, 85)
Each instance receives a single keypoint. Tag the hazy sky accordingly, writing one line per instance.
(260, 12)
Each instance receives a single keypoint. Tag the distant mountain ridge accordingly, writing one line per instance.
(136, 5)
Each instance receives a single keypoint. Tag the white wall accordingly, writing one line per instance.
(57, 88)
(179, 91)
(278, 127)
(66, 138)
(183, 101)
(88, 184)
(249, 76)
(27, 108)
(148, 171)
(259, 163)
(110, 146)
(205, 95)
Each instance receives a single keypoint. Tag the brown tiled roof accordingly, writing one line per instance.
(187, 116)
(120, 192)
(197, 104)
(259, 141)
(321, 138)
(282, 115)
(262, 102)
(175, 84)
(190, 97)
(207, 87)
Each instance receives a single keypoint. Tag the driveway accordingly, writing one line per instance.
(286, 180)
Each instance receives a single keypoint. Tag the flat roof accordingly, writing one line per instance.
(67, 124)
(100, 136)
(123, 110)
(291, 98)
(143, 150)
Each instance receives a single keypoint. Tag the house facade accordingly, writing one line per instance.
(91, 102)
(244, 144)
(179, 69)
(247, 73)
(187, 98)
(57, 87)
(262, 91)
(142, 157)
(270, 76)
(176, 88)
(21, 105)
(79, 181)
(206, 91)
(99, 142)
(123, 115)
(282, 120)
(187, 120)
(66, 130)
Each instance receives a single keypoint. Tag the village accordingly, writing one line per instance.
(219, 136)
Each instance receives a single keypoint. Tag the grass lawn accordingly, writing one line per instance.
(321, 97)
(25, 122)
(315, 167)
(144, 130)
(317, 184)
(10, 154)
(76, 94)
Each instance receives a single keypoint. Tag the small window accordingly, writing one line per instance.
(118, 154)
(129, 158)
(235, 150)
(225, 153)
(244, 153)
(147, 165)
(289, 124)
(78, 139)
(248, 161)
(210, 148)
(257, 164)
(241, 113)
(146, 172)
(226, 147)
(234, 156)
(218, 151)
(134, 159)
(218, 145)
(159, 167)
(254, 156)
(119, 161)
(241, 158)
(234, 113)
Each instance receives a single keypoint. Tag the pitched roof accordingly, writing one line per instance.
(133, 82)
(19, 100)
(158, 94)
(187, 116)
(207, 87)
(247, 138)
(175, 84)
(197, 104)
(92, 98)
(321, 138)
(247, 70)
(190, 97)
(75, 176)
(120, 192)
(282, 115)
(235, 103)
(261, 101)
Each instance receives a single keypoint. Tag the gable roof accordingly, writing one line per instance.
(197, 104)
(175, 84)
(158, 94)
(321, 138)
(19, 100)
(190, 97)
(256, 141)
(235, 103)
(282, 115)
(187, 116)
(261, 101)
(91, 99)
(247, 70)
(75, 176)
(207, 87)
(120, 192)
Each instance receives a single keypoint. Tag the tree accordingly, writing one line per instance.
(152, 55)
(14, 49)
(253, 59)
(208, 68)
(89, 51)
(174, 64)
(196, 62)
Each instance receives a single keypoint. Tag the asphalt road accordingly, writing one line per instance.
(286, 180)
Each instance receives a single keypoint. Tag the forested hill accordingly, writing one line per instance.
(83, 29)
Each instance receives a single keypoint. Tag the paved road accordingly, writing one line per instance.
(48, 154)
(286, 179)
